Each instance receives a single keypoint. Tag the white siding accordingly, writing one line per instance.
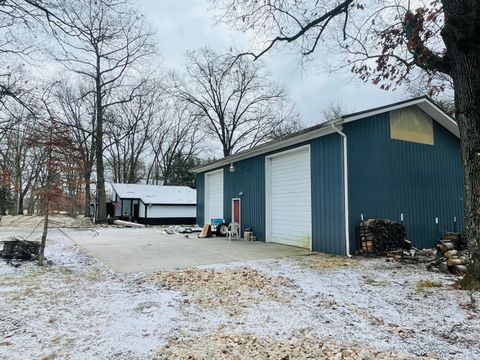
(213, 195)
(172, 211)
(141, 210)
(289, 209)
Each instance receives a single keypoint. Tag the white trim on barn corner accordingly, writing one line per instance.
(440, 116)
(268, 185)
(346, 203)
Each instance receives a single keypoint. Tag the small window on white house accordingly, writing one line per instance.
(411, 124)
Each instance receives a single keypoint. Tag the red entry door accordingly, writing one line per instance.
(236, 211)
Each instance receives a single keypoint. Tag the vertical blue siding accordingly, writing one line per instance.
(328, 214)
(386, 178)
(389, 177)
(248, 184)
(200, 199)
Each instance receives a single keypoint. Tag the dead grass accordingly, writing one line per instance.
(470, 280)
(52, 356)
(235, 289)
(29, 280)
(427, 284)
(373, 282)
(56, 220)
(325, 262)
(94, 276)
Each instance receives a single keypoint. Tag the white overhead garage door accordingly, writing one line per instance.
(213, 195)
(289, 209)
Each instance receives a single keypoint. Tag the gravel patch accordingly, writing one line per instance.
(369, 301)
(253, 347)
(233, 290)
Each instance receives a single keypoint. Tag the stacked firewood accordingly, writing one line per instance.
(452, 254)
(381, 236)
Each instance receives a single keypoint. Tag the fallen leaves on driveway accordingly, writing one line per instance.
(253, 347)
(236, 288)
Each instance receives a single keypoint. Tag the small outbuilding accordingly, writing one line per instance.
(154, 204)
(400, 162)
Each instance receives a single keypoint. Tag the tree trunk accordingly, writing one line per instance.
(15, 202)
(131, 174)
(31, 205)
(88, 199)
(87, 177)
(3, 200)
(41, 254)
(101, 215)
(18, 183)
(46, 208)
(461, 38)
(226, 149)
(21, 201)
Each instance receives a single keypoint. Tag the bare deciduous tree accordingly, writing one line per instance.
(18, 163)
(59, 150)
(105, 42)
(76, 111)
(334, 110)
(20, 22)
(24, 160)
(174, 142)
(236, 100)
(128, 130)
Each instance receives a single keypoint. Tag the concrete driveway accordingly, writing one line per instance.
(135, 250)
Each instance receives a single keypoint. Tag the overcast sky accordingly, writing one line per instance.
(189, 24)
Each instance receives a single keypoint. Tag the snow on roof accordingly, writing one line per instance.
(157, 194)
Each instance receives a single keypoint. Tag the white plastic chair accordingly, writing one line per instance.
(233, 231)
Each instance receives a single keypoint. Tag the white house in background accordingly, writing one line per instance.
(154, 204)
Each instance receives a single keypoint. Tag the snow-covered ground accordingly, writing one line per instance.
(76, 308)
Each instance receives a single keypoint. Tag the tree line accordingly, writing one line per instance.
(108, 112)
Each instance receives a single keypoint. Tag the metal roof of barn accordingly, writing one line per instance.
(424, 102)
(157, 194)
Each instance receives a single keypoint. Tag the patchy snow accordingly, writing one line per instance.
(369, 302)
(76, 308)
(79, 309)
